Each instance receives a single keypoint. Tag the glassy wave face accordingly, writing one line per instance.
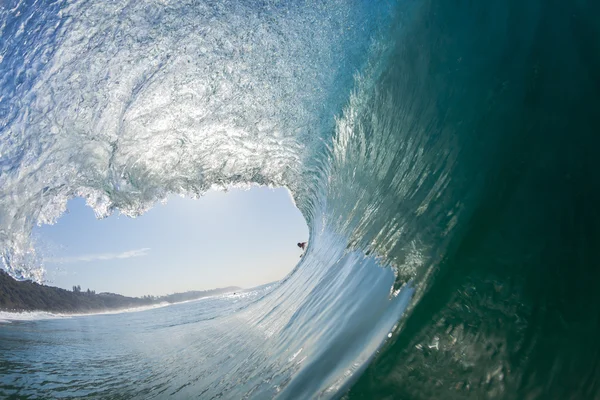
(443, 153)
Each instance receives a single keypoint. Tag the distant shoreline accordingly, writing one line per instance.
(26, 296)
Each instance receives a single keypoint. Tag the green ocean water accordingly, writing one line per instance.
(512, 308)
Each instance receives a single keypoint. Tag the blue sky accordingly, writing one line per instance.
(241, 238)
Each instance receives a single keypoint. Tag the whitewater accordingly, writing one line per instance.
(443, 154)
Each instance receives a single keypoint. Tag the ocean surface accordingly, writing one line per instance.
(445, 155)
(218, 347)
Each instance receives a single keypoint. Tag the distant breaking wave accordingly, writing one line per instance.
(453, 144)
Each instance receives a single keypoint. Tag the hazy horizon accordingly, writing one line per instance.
(242, 238)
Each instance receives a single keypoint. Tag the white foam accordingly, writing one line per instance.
(6, 317)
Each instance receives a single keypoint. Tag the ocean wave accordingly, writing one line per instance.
(42, 315)
(441, 153)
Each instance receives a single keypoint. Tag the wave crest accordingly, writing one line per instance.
(123, 104)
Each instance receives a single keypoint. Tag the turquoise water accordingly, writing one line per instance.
(444, 155)
(259, 343)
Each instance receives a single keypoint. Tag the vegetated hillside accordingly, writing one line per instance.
(30, 296)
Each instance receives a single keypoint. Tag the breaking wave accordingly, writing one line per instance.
(451, 144)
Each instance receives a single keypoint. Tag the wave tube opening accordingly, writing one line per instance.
(242, 238)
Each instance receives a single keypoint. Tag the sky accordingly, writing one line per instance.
(237, 238)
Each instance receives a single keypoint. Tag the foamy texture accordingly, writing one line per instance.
(125, 103)
(42, 315)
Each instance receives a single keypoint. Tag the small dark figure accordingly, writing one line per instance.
(302, 245)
